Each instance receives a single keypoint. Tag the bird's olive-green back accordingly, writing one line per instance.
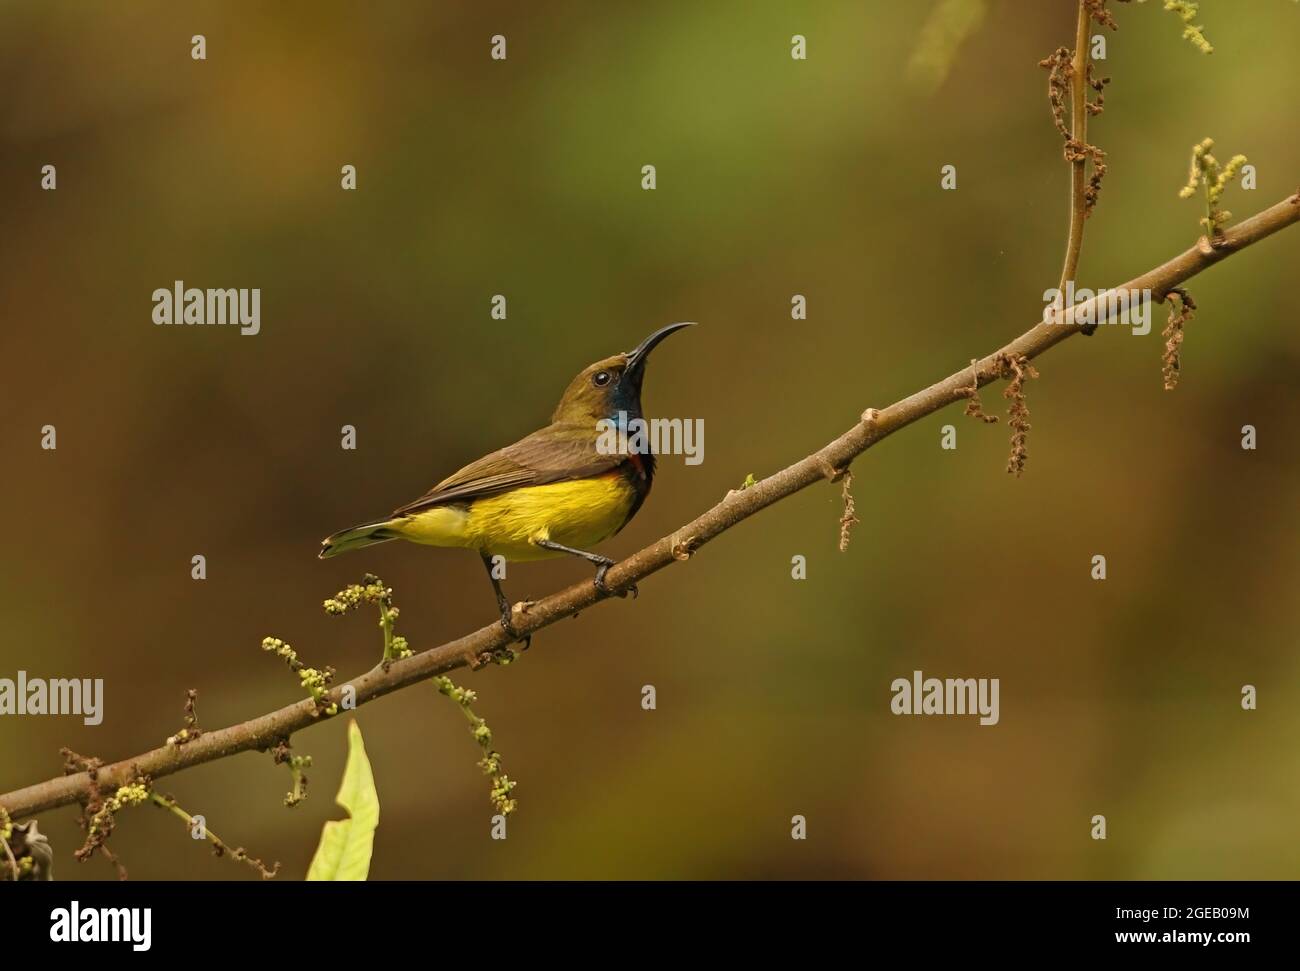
(564, 449)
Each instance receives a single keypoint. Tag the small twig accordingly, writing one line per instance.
(975, 407)
(1017, 369)
(315, 680)
(1098, 85)
(1212, 178)
(1180, 313)
(282, 754)
(1097, 9)
(96, 817)
(219, 846)
(6, 828)
(848, 520)
(502, 784)
(191, 731)
(372, 590)
(117, 864)
(1072, 71)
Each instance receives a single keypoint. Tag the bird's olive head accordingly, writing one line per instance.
(607, 387)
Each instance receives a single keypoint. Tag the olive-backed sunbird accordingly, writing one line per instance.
(552, 493)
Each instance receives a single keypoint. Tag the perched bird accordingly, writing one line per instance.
(549, 494)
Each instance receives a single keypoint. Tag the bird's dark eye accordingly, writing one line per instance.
(600, 379)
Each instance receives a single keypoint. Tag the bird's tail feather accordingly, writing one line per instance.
(367, 534)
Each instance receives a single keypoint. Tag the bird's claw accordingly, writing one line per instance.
(604, 591)
(513, 634)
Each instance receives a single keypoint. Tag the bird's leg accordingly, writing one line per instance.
(503, 604)
(603, 563)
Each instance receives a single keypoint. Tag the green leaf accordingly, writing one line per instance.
(346, 844)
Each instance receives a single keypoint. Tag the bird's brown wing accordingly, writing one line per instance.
(552, 454)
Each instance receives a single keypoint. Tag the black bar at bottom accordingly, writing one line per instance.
(531, 920)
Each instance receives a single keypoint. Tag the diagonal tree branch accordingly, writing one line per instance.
(828, 462)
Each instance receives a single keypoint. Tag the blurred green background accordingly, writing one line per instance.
(775, 177)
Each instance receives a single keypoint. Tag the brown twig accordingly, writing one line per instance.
(191, 731)
(975, 407)
(1074, 145)
(9, 853)
(1072, 71)
(1180, 312)
(265, 731)
(849, 519)
(1016, 370)
(219, 846)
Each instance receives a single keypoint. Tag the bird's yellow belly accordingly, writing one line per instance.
(581, 514)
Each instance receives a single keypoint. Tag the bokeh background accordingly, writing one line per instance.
(775, 177)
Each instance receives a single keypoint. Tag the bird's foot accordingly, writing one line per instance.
(508, 626)
(603, 590)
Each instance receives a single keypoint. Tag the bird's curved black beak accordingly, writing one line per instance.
(636, 358)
